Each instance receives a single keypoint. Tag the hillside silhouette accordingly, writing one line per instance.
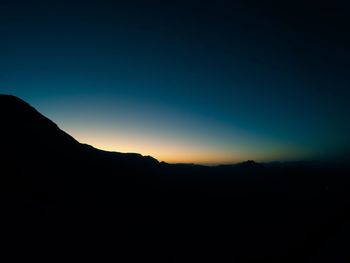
(134, 208)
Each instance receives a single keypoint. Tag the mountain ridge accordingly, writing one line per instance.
(39, 125)
(247, 212)
(11, 103)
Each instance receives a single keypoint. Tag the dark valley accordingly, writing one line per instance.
(134, 208)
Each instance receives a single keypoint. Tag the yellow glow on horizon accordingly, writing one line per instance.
(171, 150)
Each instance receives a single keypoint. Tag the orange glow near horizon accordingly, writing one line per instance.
(172, 140)
(175, 152)
(169, 150)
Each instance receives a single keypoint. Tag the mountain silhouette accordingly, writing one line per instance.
(164, 212)
(26, 129)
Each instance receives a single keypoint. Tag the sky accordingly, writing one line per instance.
(185, 81)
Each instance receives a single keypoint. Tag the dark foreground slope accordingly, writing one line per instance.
(75, 198)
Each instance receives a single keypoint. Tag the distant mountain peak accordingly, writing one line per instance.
(250, 164)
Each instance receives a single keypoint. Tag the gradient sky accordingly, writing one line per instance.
(190, 81)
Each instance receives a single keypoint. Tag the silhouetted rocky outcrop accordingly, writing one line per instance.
(239, 213)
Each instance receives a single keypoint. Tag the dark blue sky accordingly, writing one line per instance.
(188, 82)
